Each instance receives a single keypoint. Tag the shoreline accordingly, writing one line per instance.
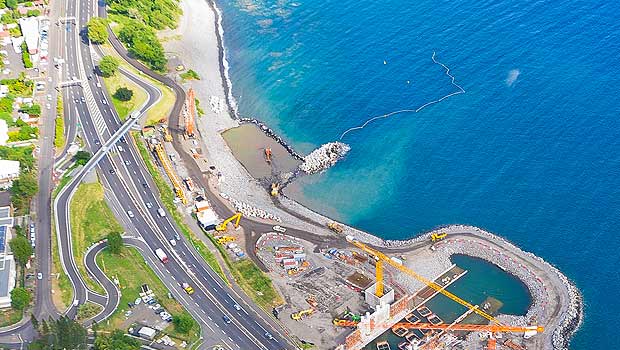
(565, 326)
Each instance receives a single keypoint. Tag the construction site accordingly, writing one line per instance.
(346, 294)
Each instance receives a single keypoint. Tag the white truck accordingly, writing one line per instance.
(161, 255)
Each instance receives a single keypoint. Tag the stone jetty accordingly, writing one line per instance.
(324, 157)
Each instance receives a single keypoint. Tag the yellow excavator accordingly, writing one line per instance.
(275, 188)
(298, 315)
(336, 227)
(225, 239)
(438, 236)
(223, 226)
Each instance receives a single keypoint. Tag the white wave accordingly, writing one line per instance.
(512, 77)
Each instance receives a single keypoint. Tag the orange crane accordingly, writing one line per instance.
(382, 258)
(494, 328)
(190, 113)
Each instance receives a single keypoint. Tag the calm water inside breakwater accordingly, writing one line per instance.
(482, 280)
(531, 151)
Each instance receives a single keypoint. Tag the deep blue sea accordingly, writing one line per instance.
(531, 151)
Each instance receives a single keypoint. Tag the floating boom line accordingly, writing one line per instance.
(453, 82)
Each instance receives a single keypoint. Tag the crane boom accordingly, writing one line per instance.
(495, 328)
(382, 257)
(222, 226)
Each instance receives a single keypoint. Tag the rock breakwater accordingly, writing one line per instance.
(249, 210)
(324, 157)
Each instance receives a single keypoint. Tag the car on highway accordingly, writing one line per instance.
(76, 101)
(112, 171)
(173, 243)
(104, 102)
(83, 99)
(177, 237)
(279, 228)
(145, 186)
(161, 212)
(149, 205)
(226, 319)
(98, 84)
(127, 162)
(268, 336)
(130, 214)
(187, 288)
(237, 307)
(48, 106)
(97, 142)
(49, 97)
(39, 276)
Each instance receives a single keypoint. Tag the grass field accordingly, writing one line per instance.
(123, 108)
(161, 109)
(91, 221)
(131, 271)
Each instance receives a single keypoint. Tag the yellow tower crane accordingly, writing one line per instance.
(382, 258)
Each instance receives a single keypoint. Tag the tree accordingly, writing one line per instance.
(117, 340)
(82, 157)
(183, 323)
(12, 4)
(97, 30)
(123, 94)
(143, 44)
(20, 298)
(34, 321)
(63, 333)
(108, 66)
(23, 189)
(115, 242)
(21, 248)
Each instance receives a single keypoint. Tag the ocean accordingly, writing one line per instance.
(530, 151)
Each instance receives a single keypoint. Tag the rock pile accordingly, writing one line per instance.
(217, 104)
(249, 210)
(324, 157)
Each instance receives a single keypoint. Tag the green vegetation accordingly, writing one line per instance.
(82, 157)
(59, 132)
(20, 298)
(123, 94)
(22, 250)
(132, 271)
(33, 109)
(115, 242)
(25, 132)
(256, 284)
(118, 81)
(167, 197)
(142, 43)
(23, 189)
(200, 111)
(26, 56)
(9, 317)
(21, 86)
(91, 221)
(108, 66)
(33, 13)
(88, 310)
(6, 105)
(12, 4)
(117, 340)
(60, 334)
(183, 323)
(190, 74)
(21, 154)
(157, 14)
(97, 30)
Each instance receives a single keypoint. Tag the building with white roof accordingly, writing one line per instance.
(30, 31)
(4, 132)
(7, 263)
(9, 171)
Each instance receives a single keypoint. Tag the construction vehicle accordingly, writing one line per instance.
(190, 184)
(164, 160)
(382, 259)
(167, 135)
(312, 302)
(275, 188)
(336, 227)
(338, 322)
(190, 113)
(438, 236)
(225, 239)
(298, 315)
(268, 154)
(224, 225)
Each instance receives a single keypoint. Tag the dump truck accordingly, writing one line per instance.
(161, 255)
(438, 236)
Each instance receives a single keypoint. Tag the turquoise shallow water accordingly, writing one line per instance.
(531, 151)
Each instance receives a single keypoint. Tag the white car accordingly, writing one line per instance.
(130, 214)
(173, 242)
(137, 301)
(39, 276)
(98, 84)
(279, 228)
(237, 307)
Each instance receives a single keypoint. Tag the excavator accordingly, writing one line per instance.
(225, 239)
(268, 154)
(438, 236)
(224, 225)
(298, 315)
(275, 188)
(336, 227)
